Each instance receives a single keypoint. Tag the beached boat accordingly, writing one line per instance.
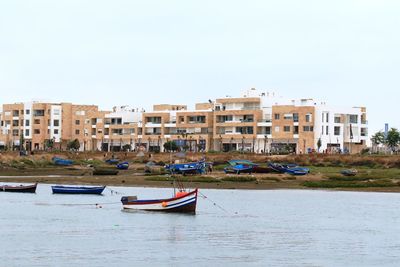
(292, 169)
(93, 190)
(62, 162)
(105, 171)
(187, 168)
(351, 172)
(240, 166)
(19, 188)
(112, 161)
(123, 165)
(182, 202)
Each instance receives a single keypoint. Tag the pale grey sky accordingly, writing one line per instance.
(345, 52)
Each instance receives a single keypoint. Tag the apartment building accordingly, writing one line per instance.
(257, 122)
(34, 125)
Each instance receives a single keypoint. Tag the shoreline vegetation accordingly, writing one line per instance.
(376, 173)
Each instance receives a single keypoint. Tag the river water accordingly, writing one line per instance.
(245, 228)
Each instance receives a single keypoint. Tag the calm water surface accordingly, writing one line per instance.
(271, 228)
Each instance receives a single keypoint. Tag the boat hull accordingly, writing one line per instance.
(19, 189)
(183, 204)
(77, 190)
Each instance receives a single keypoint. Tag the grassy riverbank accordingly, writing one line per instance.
(375, 173)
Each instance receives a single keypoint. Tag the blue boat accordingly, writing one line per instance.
(123, 165)
(93, 190)
(62, 162)
(240, 166)
(292, 169)
(188, 168)
(112, 161)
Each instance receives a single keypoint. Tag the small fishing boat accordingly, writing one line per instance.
(112, 161)
(123, 165)
(182, 202)
(105, 171)
(93, 190)
(62, 162)
(292, 169)
(19, 188)
(350, 172)
(187, 168)
(240, 166)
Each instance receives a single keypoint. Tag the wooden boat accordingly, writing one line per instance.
(187, 168)
(62, 162)
(292, 169)
(112, 161)
(93, 190)
(182, 202)
(240, 166)
(351, 172)
(105, 171)
(19, 188)
(123, 165)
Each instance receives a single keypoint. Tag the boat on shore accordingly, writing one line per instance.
(19, 188)
(240, 166)
(182, 202)
(351, 172)
(105, 171)
(62, 162)
(292, 169)
(187, 168)
(92, 190)
(123, 165)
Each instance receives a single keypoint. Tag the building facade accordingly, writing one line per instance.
(256, 122)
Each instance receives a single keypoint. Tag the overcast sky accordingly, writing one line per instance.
(345, 52)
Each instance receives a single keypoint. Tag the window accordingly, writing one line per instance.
(336, 130)
(77, 122)
(296, 117)
(56, 112)
(56, 123)
(36, 121)
(327, 130)
(28, 111)
(15, 122)
(15, 132)
(353, 119)
(286, 128)
(55, 131)
(27, 122)
(337, 119)
(38, 112)
(77, 132)
(277, 116)
(27, 133)
(308, 128)
(15, 113)
(309, 117)
(288, 116)
(36, 131)
(296, 130)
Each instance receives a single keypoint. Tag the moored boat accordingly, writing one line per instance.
(94, 190)
(19, 188)
(182, 202)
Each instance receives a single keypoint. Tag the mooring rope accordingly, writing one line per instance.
(215, 204)
(99, 205)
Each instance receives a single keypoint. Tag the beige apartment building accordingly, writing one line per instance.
(256, 122)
